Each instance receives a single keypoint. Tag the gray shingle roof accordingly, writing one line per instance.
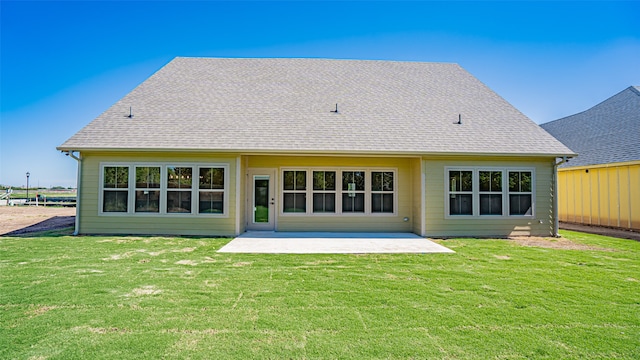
(285, 105)
(606, 133)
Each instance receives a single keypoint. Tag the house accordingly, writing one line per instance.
(219, 146)
(602, 185)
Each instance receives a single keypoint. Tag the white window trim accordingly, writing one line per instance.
(339, 191)
(476, 192)
(163, 189)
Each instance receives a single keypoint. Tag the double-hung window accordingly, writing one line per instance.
(520, 194)
(295, 191)
(115, 184)
(489, 192)
(460, 192)
(353, 191)
(324, 191)
(147, 189)
(211, 190)
(179, 181)
(382, 192)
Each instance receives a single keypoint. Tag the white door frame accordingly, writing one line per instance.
(269, 174)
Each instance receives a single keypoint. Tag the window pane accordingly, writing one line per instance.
(210, 202)
(466, 178)
(211, 178)
(324, 203)
(490, 204)
(148, 177)
(461, 204)
(353, 203)
(179, 177)
(147, 201)
(353, 180)
(485, 180)
(301, 180)
(324, 180)
(115, 201)
(382, 203)
(454, 180)
(116, 177)
(178, 201)
(295, 202)
(520, 204)
(288, 180)
(525, 181)
(376, 181)
(387, 184)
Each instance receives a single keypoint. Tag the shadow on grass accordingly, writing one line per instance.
(55, 226)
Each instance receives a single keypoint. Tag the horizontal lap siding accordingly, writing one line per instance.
(347, 222)
(437, 225)
(91, 222)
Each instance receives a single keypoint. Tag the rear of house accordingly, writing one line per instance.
(212, 147)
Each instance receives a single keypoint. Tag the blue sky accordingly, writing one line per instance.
(64, 63)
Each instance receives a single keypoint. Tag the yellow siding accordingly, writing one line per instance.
(324, 222)
(437, 225)
(93, 223)
(634, 196)
(563, 201)
(594, 199)
(609, 195)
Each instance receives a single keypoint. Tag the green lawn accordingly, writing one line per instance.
(65, 297)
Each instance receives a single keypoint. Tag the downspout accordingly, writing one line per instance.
(78, 187)
(556, 217)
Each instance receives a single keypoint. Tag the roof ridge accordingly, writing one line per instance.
(315, 58)
(632, 88)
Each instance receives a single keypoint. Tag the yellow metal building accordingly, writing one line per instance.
(602, 185)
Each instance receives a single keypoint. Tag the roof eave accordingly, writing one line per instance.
(316, 152)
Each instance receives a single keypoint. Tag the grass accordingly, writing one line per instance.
(64, 297)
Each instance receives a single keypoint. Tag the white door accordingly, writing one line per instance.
(262, 199)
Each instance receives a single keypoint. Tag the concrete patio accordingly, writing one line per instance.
(269, 242)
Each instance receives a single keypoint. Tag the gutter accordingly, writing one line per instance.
(556, 217)
(78, 158)
(312, 152)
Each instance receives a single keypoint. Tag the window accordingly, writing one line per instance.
(179, 197)
(520, 194)
(161, 189)
(116, 189)
(324, 191)
(460, 192)
(147, 189)
(382, 192)
(295, 194)
(489, 192)
(211, 191)
(353, 187)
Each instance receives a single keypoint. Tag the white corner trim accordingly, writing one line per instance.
(238, 191)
